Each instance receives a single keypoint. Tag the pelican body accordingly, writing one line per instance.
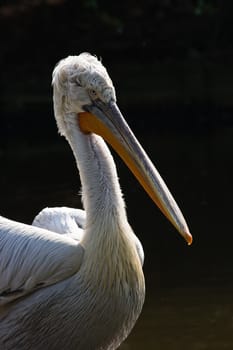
(73, 279)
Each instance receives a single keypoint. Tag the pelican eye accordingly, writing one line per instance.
(93, 94)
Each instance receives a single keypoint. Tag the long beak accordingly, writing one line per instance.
(108, 122)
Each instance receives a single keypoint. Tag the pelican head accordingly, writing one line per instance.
(78, 81)
(84, 98)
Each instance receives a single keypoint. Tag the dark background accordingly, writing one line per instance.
(171, 64)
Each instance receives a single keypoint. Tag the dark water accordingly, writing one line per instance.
(185, 318)
(189, 302)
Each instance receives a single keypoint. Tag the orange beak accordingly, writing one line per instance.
(108, 122)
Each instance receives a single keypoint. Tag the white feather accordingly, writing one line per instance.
(70, 222)
(32, 258)
(62, 220)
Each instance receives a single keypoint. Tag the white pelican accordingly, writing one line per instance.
(56, 292)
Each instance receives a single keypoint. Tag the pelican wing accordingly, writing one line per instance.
(32, 258)
(62, 220)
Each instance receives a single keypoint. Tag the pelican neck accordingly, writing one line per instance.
(100, 186)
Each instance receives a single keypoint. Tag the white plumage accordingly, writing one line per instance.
(73, 280)
(62, 220)
(70, 222)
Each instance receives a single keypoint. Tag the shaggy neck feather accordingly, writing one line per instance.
(101, 191)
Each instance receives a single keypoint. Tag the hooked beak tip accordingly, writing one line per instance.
(188, 237)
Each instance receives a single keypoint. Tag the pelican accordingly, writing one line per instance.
(60, 292)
